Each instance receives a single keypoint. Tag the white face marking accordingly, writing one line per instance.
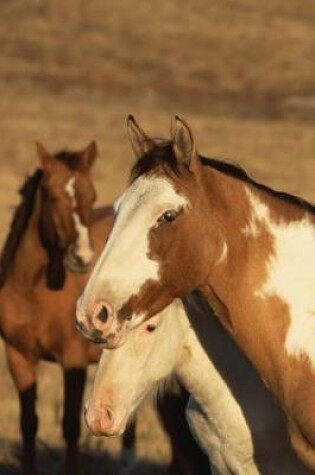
(124, 265)
(83, 245)
(70, 190)
(291, 277)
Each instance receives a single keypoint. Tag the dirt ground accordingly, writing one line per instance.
(241, 72)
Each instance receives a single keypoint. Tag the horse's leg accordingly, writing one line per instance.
(74, 380)
(128, 449)
(23, 373)
(187, 458)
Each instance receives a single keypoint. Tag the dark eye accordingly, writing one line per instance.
(169, 216)
(151, 327)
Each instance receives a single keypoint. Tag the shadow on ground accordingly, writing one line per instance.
(50, 462)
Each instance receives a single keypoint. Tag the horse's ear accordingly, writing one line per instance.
(48, 162)
(183, 142)
(89, 155)
(141, 143)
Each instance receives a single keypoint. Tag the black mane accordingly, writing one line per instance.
(163, 155)
(24, 211)
(70, 159)
(19, 223)
(239, 173)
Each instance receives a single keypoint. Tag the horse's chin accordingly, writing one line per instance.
(115, 341)
(73, 265)
(116, 432)
(98, 424)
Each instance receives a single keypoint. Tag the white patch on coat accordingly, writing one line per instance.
(291, 277)
(259, 213)
(251, 230)
(223, 255)
(124, 265)
(83, 247)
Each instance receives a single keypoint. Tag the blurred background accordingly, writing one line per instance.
(241, 72)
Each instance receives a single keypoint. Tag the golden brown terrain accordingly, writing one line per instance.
(242, 72)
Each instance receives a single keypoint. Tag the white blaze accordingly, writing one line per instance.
(83, 245)
(124, 266)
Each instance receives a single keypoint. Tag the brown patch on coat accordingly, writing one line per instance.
(148, 300)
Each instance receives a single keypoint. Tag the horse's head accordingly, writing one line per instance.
(156, 250)
(67, 198)
(126, 375)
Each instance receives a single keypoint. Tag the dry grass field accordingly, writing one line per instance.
(242, 72)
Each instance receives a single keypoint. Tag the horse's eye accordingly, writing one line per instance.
(151, 327)
(169, 216)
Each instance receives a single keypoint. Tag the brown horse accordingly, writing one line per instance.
(198, 223)
(42, 272)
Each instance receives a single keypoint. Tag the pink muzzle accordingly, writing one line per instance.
(97, 323)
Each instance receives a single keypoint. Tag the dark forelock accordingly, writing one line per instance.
(161, 154)
(70, 159)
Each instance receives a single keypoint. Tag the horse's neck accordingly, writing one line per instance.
(224, 424)
(30, 256)
(240, 412)
(262, 277)
(201, 377)
(227, 216)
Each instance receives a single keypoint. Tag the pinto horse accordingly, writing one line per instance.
(233, 416)
(43, 265)
(199, 223)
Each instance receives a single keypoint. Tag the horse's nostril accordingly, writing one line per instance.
(101, 317)
(103, 314)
